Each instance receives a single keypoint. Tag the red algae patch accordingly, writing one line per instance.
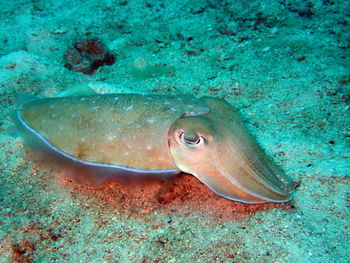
(87, 56)
(184, 194)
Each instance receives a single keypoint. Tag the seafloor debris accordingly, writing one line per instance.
(87, 55)
(143, 70)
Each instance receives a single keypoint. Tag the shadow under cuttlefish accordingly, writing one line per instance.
(137, 195)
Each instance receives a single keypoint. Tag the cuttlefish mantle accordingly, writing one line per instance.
(141, 135)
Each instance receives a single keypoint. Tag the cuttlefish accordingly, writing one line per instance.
(123, 135)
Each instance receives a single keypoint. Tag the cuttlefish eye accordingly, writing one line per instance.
(193, 140)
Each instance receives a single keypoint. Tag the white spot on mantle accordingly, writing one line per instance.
(128, 108)
(151, 121)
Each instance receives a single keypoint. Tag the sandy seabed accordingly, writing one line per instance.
(285, 67)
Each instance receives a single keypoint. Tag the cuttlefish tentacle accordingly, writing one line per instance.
(226, 157)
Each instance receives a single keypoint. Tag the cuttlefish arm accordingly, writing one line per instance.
(218, 150)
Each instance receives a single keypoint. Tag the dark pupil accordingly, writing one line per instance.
(191, 138)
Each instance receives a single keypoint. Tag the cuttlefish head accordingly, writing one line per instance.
(218, 149)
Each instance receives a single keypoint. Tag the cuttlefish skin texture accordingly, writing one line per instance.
(159, 134)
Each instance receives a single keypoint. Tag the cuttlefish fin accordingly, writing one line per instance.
(24, 98)
(218, 150)
(21, 99)
(78, 90)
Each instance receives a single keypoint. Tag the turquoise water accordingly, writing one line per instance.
(283, 65)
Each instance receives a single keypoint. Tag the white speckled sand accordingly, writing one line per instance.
(284, 65)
